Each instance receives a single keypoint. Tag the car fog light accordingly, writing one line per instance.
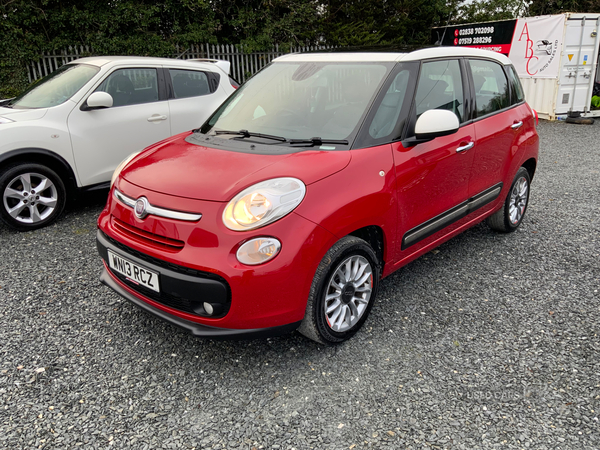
(258, 251)
(208, 308)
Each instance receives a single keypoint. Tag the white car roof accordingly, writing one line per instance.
(100, 61)
(417, 55)
(439, 52)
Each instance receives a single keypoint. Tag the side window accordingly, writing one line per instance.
(491, 86)
(131, 86)
(517, 90)
(189, 83)
(440, 87)
(387, 114)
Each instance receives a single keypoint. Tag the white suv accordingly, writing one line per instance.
(69, 132)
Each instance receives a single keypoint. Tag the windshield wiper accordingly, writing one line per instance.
(247, 134)
(316, 141)
(7, 102)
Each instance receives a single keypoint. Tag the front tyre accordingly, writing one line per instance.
(342, 292)
(33, 196)
(510, 216)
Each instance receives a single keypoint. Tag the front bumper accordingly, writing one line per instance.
(214, 291)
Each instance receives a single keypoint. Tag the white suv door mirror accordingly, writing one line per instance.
(99, 100)
(435, 123)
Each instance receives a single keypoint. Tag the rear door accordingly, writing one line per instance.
(500, 120)
(193, 96)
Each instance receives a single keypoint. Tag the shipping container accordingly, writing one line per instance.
(555, 56)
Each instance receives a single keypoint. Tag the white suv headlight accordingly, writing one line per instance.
(120, 167)
(263, 203)
(5, 120)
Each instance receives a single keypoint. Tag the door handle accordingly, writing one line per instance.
(516, 125)
(156, 118)
(464, 148)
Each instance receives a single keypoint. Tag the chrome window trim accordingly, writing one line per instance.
(156, 211)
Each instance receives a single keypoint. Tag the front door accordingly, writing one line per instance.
(102, 138)
(432, 178)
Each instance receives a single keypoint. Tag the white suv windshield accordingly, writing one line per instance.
(56, 88)
(303, 100)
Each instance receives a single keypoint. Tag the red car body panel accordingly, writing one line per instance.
(187, 170)
(357, 197)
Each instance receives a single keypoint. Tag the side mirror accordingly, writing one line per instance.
(435, 123)
(99, 100)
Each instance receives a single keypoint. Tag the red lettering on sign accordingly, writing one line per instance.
(527, 65)
(528, 48)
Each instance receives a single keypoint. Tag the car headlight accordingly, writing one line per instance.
(120, 167)
(263, 203)
(5, 120)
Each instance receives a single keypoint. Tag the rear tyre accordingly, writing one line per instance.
(510, 216)
(33, 196)
(342, 292)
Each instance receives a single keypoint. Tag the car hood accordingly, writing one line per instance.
(21, 115)
(182, 169)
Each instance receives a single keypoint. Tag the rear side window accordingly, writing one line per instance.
(491, 86)
(440, 87)
(517, 90)
(190, 83)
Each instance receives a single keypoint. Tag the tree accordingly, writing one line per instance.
(489, 10)
(258, 24)
(383, 22)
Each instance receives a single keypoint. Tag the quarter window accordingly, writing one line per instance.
(491, 86)
(131, 86)
(387, 114)
(517, 90)
(440, 87)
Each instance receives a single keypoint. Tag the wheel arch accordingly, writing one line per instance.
(375, 237)
(46, 158)
(530, 165)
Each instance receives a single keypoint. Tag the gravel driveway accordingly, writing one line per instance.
(490, 341)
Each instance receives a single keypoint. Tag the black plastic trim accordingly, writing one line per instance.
(181, 288)
(95, 187)
(447, 218)
(197, 329)
(26, 152)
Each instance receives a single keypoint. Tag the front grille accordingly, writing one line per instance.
(163, 264)
(144, 237)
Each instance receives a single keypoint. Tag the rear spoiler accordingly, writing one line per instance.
(225, 66)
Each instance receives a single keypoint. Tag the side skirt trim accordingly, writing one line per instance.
(441, 221)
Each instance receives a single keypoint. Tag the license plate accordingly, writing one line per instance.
(135, 273)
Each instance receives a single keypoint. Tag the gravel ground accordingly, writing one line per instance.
(490, 341)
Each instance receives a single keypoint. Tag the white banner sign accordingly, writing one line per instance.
(536, 46)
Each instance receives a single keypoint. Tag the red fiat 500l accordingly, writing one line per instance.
(313, 181)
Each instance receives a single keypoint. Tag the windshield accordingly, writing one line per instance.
(55, 88)
(302, 100)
